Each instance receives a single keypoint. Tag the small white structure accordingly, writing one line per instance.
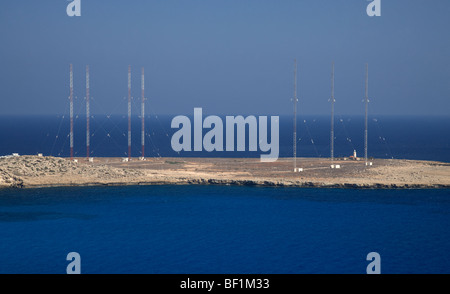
(335, 166)
(91, 159)
(15, 154)
(142, 158)
(354, 156)
(125, 159)
(40, 154)
(75, 160)
(369, 163)
(298, 169)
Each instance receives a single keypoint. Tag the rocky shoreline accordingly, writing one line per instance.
(40, 171)
(268, 183)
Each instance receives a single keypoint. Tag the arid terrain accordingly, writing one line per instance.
(39, 171)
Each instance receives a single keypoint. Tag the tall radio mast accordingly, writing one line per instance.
(142, 115)
(295, 116)
(71, 112)
(332, 114)
(87, 113)
(129, 112)
(366, 100)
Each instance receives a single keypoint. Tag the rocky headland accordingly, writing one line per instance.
(47, 171)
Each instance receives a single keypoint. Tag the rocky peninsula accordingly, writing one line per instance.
(46, 171)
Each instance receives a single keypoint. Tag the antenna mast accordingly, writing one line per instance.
(295, 116)
(87, 113)
(142, 115)
(366, 100)
(332, 114)
(71, 112)
(129, 112)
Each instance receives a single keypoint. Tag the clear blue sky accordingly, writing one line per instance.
(229, 57)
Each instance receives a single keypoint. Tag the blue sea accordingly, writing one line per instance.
(226, 229)
(409, 137)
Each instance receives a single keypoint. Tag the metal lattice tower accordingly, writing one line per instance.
(332, 114)
(295, 116)
(87, 113)
(366, 100)
(129, 112)
(71, 112)
(142, 115)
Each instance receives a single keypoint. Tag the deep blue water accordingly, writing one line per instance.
(223, 229)
(426, 138)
